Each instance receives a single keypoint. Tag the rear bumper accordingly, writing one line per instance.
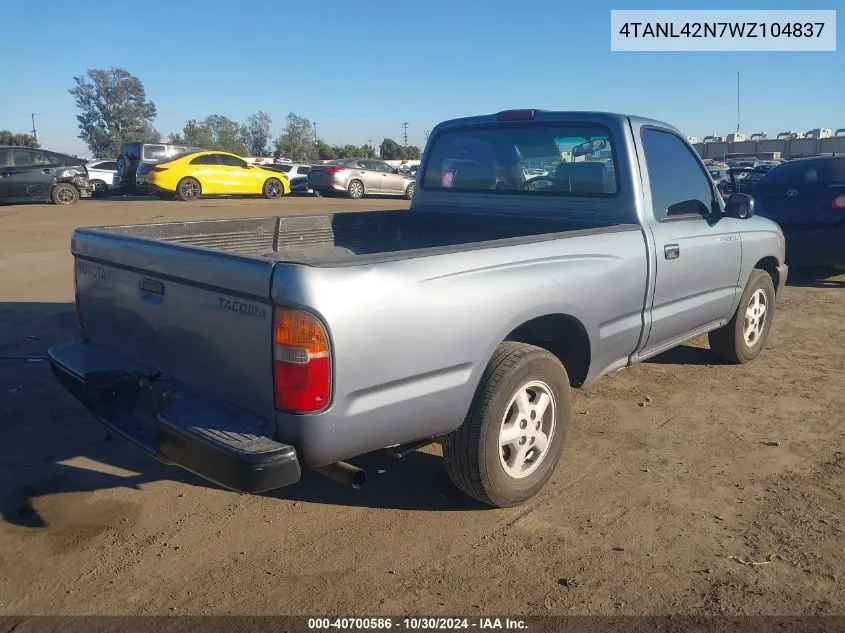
(818, 247)
(328, 187)
(208, 437)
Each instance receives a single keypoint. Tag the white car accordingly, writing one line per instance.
(103, 175)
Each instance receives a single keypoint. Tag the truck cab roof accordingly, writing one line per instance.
(550, 116)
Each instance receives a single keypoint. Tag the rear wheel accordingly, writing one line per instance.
(188, 189)
(65, 193)
(743, 337)
(512, 440)
(355, 190)
(273, 188)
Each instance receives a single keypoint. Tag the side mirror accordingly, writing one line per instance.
(740, 206)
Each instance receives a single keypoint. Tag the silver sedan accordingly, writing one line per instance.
(359, 177)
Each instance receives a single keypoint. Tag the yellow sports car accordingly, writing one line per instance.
(213, 173)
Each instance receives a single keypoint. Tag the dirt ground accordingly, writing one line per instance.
(676, 472)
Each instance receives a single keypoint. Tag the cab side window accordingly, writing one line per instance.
(679, 185)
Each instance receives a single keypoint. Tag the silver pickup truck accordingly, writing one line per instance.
(541, 251)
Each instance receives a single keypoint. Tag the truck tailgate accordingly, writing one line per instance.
(200, 316)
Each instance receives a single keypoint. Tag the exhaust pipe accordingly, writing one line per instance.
(344, 473)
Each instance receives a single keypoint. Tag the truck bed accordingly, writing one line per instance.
(341, 239)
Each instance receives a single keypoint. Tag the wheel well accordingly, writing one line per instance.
(562, 335)
(770, 265)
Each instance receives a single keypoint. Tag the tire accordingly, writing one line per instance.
(409, 191)
(476, 461)
(273, 188)
(729, 342)
(188, 189)
(64, 194)
(355, 189)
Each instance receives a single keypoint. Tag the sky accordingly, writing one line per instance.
(361, 69)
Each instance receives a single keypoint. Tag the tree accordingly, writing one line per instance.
(326, 151)
(256, 133)
(114, 110)
(368, 151)
(347, 151)
(410, 152)
(297, 142)
(214, 132)
(390, 149)
(20, 139)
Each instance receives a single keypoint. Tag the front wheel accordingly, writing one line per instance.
(188, 189)
(409, 191)
(743, 337)
(513, 437)
(273, 188)
(64, 194)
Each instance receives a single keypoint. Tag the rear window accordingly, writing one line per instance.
(109, 165)
(205, 159)
(285, 168)
(303, 171)
(155, 152)
(550, 159)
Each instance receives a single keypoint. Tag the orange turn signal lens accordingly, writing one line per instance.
(294, 328)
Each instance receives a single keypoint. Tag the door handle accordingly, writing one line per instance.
(47, 171)
(672, 251)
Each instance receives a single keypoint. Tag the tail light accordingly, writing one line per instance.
(158, 168)
(334, 170)
(76, 295)
(838, 203)
(301, 362)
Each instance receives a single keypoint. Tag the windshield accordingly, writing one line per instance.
(523, 159)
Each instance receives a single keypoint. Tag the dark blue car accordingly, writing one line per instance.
(806, 197)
